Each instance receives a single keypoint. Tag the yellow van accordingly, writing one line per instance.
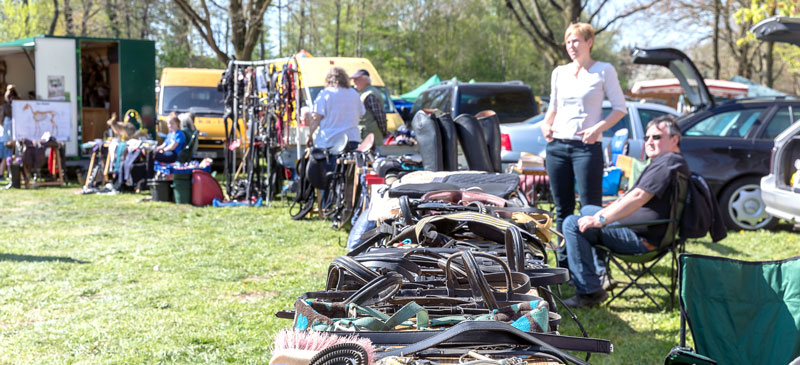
(195, 90)
(312, 81)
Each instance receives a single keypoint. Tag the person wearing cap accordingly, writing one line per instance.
(374, 120)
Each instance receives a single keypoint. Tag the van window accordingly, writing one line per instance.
(199, 100)
(511, 105)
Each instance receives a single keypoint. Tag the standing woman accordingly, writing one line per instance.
(337, 110)
(574, 124)
(5, 129)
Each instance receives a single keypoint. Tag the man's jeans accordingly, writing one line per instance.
(569, 162)
(585, 266)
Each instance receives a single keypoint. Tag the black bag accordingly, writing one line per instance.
(701, 213)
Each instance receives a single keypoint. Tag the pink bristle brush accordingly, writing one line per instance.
(294, 347)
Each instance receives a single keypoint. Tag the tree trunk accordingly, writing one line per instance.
(111, 13)
(302, 26)
(770, 56)
(717, 6)
(336, 39)
(145, 20)
(27, 14)
(68, 21)
(280, 29)
(87, 9)
(55, 18)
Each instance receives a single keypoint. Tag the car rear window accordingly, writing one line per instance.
(625, 122)
(511, 105)
(734, 124)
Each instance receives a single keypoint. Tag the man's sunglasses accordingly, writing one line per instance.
(655, 137)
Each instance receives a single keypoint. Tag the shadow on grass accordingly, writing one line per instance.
(31, 258)
(719, 248)
(631, 344)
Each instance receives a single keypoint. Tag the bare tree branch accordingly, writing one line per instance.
(556, 5)
(55, 18)
(537, 11)
(597, 11)
(203, 26)
(627, 14)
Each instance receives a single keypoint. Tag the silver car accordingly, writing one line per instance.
(527, 136)
(782, 199)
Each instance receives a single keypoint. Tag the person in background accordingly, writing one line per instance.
(187, 122)
(374, 120)
(649, 199)
(574, 124)
(337, 110)
(5, 129)
(168, 151)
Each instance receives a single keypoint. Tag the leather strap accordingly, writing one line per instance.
(474, 332)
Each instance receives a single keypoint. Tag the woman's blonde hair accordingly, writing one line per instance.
(583, 30)
(337, 77)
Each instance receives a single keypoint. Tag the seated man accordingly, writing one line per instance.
(648, 199)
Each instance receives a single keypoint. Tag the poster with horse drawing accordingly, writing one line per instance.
(32, 118)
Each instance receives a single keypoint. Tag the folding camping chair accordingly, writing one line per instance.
(671, 243)
(739, 312)
(188, 151)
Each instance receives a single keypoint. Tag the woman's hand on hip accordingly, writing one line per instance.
(547, 131)
(590, 135)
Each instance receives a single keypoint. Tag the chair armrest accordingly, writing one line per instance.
(640, 223)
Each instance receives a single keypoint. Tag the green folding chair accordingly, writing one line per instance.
(739, 312)
(185, 155)
(635, 267)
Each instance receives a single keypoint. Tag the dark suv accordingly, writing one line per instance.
(729, 144)
(512, 101)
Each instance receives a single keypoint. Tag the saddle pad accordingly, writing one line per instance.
(501, 185)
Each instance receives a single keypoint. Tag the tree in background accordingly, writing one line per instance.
(544, 21)
(747, 16)
(24, 19)
(408, 41)
(246, 25)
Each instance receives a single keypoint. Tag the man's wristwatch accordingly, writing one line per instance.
(602, 220)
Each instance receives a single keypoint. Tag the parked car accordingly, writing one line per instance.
(513, 101)
(527, 136)
(728, 144)
(781, 195)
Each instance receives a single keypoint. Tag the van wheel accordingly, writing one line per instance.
(743, 208)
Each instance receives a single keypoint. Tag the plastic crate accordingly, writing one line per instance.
(179, 168)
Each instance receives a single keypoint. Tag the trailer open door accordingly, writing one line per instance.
(56, 63)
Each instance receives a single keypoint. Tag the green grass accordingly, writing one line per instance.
(111, 279)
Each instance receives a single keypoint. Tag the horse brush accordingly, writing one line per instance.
(295, 347)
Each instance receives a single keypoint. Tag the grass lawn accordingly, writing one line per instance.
(111, 279)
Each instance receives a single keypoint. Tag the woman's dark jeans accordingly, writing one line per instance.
(571, 162)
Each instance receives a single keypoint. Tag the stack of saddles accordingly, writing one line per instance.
(456, 271)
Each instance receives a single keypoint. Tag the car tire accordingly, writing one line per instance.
(743, 208)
